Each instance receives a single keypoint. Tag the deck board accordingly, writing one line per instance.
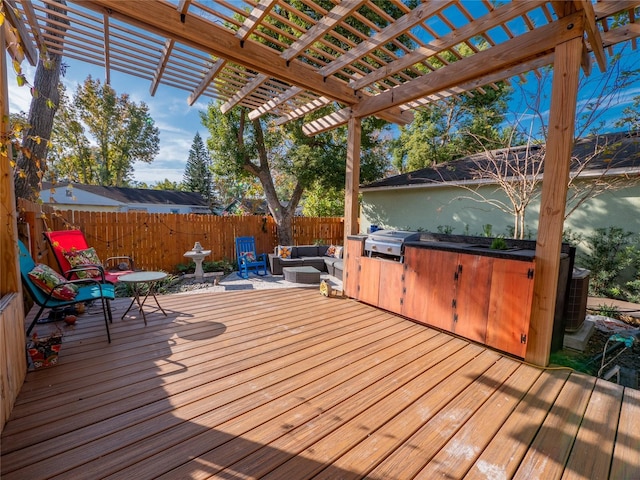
(289, 384)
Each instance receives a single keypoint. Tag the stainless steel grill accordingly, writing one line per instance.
(389, 243)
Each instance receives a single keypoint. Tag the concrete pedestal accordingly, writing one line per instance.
(197, 258)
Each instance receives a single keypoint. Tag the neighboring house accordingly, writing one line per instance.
(434, 198)
(251, 206)
(246, 206)
(77, 196)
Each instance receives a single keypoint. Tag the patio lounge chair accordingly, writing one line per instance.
(247, 258)
(89, 289)
(63, 242)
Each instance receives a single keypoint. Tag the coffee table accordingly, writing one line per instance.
(309, 275)
(138, 278)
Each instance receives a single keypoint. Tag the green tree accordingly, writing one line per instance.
(123, 131)
(631, 116)
(31, 158)
(449, 129)
(284, 160)
(323, 202)
(166, 184)
(197, 173)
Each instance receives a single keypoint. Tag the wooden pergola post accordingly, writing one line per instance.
(352, 181)
(554, 196)
(9, 280)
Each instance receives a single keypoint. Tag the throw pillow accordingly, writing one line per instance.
(78, 258)
(338, 252)
(331, 251)
(249, 256)
(46, 279)
(284, 252)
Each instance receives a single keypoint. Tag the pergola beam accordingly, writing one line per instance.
(206, 80)
(245, 91)
(490, 20)
(386, 35)
(336, 15)
(32, 19)
(218, 41)
(16, 22)
(593, 33)
(256, 16)
(274, 102)
(522, 49)
(183, 6)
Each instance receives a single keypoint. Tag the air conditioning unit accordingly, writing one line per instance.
(576, 309)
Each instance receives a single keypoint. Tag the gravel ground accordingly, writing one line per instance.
(233, 281)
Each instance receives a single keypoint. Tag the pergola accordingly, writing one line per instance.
(384, 58)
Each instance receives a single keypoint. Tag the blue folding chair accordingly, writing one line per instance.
(248, 259)
(89, 289)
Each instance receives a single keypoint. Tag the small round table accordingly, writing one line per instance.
(135, 279)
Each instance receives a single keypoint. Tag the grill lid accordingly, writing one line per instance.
(389, 242)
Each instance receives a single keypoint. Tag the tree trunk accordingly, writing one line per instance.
(31, 159)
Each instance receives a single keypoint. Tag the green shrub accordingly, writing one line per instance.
(610, 252)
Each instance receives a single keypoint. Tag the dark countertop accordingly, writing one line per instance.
(514, 253)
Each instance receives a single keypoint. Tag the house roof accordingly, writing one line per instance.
(620, 153)
(137, 195)
(291, 58)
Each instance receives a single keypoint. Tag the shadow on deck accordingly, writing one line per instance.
(288, 384)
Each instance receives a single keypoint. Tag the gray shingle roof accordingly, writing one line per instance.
(622, 152)
(139, 195)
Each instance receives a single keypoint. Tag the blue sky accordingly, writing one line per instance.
(178, 122)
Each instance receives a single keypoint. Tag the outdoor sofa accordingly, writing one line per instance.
(325, 258)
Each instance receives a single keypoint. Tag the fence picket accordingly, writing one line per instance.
(158, 241)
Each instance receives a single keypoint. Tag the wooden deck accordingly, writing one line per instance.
(287, 384)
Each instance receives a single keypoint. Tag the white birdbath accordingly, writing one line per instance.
(198, 257)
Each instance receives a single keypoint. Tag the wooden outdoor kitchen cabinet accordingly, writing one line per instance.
(482, 296)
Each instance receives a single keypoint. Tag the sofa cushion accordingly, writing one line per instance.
(331, 260)
(307, 251)
(315, 262)
(291, 262)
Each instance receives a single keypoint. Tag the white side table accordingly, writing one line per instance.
(135, 279)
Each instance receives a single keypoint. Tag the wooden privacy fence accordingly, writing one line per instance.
(158, 241)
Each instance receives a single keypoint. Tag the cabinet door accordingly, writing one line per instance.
(429, 286)
(473, 288)
(391, 286)
(510, 306)
(414, 303)
(441, 285)
(352, 257)
(369, 280)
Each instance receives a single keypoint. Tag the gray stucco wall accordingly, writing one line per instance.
(428, 208)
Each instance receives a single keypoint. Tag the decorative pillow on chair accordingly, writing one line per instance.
(284, 252)
(249, 256)
(331, 251)
(46, 278)
(338, 252)
(78, 258)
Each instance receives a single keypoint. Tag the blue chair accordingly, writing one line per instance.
(248, 259)
(89, 290)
